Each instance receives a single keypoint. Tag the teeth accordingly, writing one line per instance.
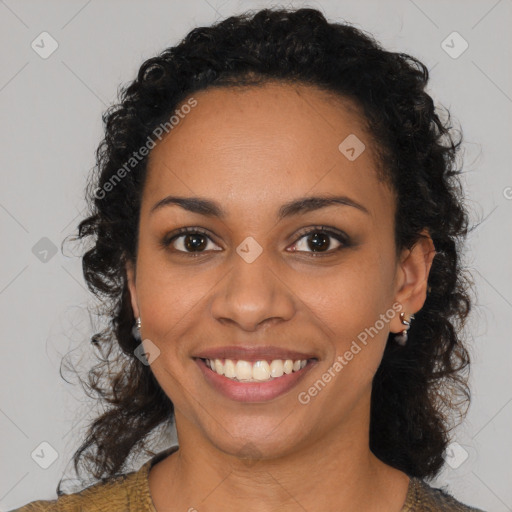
(259, 371)
(288, 366)
(229, 369)
(243, 370)
(276, 368)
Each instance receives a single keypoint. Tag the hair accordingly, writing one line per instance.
(417, 387)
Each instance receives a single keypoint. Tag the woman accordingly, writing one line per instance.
(278, 222)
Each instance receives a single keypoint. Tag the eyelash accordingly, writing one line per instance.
(340, 236)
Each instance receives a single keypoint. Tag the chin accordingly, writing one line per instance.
(269, 438)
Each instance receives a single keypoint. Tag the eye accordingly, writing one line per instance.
(318, 238)
(195, 240)
(188, 241)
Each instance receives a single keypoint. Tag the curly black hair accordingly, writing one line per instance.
(416, 388)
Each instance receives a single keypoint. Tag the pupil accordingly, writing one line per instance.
(318, 238)
(197, 243)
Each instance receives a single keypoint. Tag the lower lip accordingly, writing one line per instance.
(253, 391)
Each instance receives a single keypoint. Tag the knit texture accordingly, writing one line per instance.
(130, 492)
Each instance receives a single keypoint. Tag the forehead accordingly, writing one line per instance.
(248, 145)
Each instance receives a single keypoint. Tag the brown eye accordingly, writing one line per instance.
(194, 242)
(319, 240)
(189, 240)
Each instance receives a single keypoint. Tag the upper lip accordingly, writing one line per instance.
(252, 353)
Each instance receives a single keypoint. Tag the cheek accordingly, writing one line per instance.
(169, 301)
(168, 309)
(350, 302)
(168, 297)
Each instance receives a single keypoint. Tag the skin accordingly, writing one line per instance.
(252, 150)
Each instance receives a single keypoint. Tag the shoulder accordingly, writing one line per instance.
(421, 497)
(119, 493)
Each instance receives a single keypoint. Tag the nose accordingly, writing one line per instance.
(253, 294)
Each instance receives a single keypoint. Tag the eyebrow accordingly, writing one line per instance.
(298, 206)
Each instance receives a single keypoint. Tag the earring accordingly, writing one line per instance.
(136, 329)
(401, 338)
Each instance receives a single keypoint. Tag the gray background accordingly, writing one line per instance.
(51, 125)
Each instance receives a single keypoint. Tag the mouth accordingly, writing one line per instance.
(255, 378)
(257, 371)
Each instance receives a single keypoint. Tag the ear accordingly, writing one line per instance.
(412, 278)
(130, 274)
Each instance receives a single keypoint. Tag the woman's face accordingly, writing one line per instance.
(319, 282)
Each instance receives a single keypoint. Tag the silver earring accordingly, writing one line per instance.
(136, 329)
(401, 338)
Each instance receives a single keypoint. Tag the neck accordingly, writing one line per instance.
(336, 472)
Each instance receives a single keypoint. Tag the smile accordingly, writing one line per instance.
(254, 381)
(256, 371)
